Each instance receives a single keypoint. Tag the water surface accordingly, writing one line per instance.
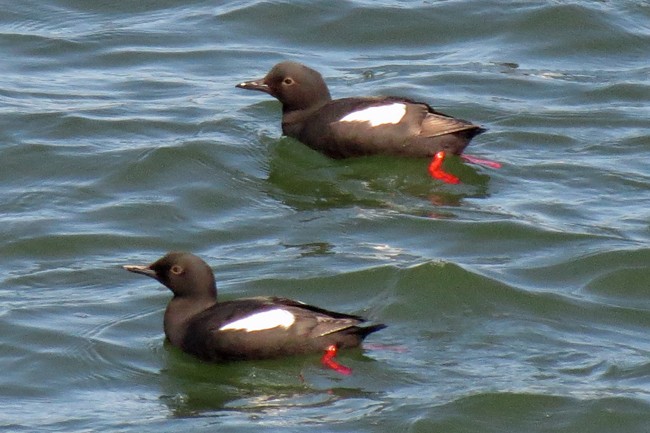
(516, 301)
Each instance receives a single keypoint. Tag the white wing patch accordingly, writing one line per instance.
(261, 321)
(379, 115)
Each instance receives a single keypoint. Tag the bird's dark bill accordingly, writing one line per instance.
(141, 269)
(254, 85)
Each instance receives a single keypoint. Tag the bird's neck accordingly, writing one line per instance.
(178, 314)
(292, 119)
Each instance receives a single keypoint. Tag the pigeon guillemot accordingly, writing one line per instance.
(248, 328)
(361, 126)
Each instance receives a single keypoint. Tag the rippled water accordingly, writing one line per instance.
(516, 301)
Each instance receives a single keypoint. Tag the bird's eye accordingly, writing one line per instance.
(288, 81)
(177, 270)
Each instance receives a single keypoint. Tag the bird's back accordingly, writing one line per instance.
(367, 126)
(260, 328)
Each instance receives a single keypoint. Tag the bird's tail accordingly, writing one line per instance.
(364, 331)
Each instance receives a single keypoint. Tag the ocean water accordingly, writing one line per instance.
(518, 300)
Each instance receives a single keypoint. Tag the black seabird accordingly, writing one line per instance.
(248, 328)
(361, 126)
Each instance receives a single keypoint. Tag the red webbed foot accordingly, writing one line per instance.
(328, 361)
(436, 171)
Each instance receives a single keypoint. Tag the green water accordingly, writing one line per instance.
(517, 301)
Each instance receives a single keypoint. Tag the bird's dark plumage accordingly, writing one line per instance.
(249, 328)
(359, 126)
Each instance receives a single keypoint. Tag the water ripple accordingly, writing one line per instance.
(514, 301)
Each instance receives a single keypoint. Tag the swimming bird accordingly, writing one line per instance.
(248, 328)
(359, 126)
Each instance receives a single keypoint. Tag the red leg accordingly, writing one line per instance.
(436, 171)
(387, 347)
(328, 361)
(479, 161)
